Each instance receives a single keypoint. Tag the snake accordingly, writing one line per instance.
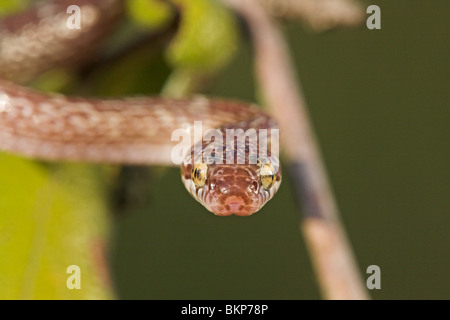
(234, 179)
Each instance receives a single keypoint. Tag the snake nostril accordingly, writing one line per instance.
(253, 187)
(212, 184)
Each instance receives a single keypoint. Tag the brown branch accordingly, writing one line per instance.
(332, 257)
(320, 15)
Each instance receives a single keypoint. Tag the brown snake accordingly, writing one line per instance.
(231, 180)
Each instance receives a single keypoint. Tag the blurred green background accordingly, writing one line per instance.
(379, 102)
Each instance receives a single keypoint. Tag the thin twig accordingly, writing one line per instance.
(332, 257)
(320, 15)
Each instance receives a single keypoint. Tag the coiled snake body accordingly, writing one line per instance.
(129, 130)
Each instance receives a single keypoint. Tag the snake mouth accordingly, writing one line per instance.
(233, 205)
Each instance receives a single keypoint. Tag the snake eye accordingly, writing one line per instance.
(198, 174)
(268, 176)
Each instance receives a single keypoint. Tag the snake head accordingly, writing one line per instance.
(226, 189)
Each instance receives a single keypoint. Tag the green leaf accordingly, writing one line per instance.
(207, 39)
(149, 13)
(51, 219)
(9, 7)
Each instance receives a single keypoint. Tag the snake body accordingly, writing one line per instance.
(124, 131)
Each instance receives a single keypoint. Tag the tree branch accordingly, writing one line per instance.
(332, 257)
(320, 15)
